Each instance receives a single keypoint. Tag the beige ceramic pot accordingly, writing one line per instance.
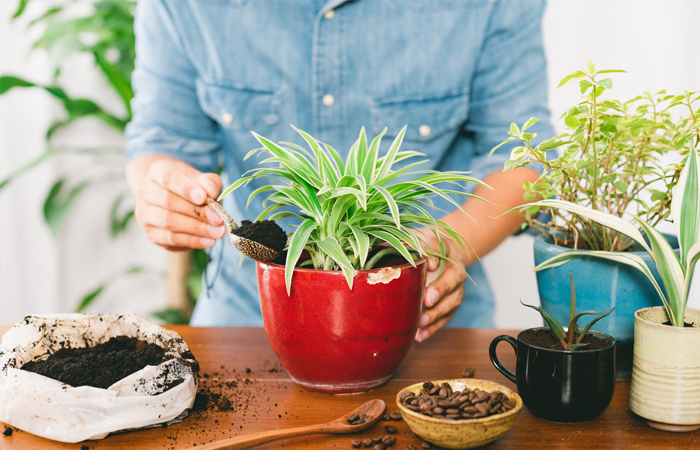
(665, 388)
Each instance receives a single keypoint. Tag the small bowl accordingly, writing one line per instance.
(466, 433)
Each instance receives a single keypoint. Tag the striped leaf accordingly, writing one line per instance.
(685, 205)
(332, 248)
(296, 246)
(625, 258)
(605, 219)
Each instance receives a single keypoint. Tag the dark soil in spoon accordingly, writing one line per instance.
(99, 366)
(265, 232)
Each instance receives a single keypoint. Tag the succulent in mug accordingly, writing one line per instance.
(349, 214)
(570, 338)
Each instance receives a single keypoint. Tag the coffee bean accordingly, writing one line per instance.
(380, 446)
(390, 429)
(356, 443)
(387, 416)
(469, 372)
(367, 442)
(389, 440)
(353, 418)
(465, 404)
(396, 416)
(426, 445)
(410, 447)
(377, 439)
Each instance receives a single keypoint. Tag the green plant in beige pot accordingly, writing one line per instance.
(341, 308)
(665, 390)
(610, 159)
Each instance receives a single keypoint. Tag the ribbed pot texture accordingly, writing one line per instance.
(665, 387)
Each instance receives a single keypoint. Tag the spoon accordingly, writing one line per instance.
(248, 247)
(374, 409)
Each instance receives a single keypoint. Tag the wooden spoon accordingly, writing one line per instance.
(374, 409)
(248, 247)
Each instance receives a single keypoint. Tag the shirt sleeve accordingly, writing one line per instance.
(510, 84)
(167, 117)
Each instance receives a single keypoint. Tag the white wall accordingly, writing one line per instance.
(654, 41)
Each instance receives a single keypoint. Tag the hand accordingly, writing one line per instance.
(443, 297)
(170, 203)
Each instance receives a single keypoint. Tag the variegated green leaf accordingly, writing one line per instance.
(625, 258)
(391, 155)
(685, 205)
(608, 220)
(296, 246)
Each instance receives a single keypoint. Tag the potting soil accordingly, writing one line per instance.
(265, 232)
(99, 366)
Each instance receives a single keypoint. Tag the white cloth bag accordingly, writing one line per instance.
(51, 409)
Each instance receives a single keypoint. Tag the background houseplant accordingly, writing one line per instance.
(613, 159)
(346, 323)
(103, 32)
(664, 382)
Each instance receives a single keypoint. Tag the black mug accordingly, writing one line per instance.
(560, 385)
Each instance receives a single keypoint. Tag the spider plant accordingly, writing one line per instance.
(569, 339)
(349, 214)
(675, 272)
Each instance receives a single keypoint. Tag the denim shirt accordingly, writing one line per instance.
(457, 72)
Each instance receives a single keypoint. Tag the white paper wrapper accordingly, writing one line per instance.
(54, 410)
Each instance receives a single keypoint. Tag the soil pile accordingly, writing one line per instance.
(99, 366)
(265, 232)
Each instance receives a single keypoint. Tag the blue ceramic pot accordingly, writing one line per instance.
(600, 284)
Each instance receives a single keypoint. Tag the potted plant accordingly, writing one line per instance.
(610, 159)
(664, 388)
(563, 375)
(342, 308)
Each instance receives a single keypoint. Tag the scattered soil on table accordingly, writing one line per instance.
(7, 432)
(99, 366)
(265, 232)
(545, 339)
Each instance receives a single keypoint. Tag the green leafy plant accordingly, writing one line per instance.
(104, 30)
(570, 339)
(346, 210)
(608, 160)
(676, 273)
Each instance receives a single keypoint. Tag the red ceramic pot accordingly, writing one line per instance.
(335, 340)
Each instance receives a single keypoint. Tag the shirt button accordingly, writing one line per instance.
(424, 130)
(227, 118)
(328, 100)
(329, 14)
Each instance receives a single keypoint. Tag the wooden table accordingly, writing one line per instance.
(238, 363)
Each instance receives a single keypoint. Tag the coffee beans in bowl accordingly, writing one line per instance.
(461, 413)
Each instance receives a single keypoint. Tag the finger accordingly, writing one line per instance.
(179, 179)
(177, 241)
(156, 195)
(175, 222)
(424, 333)
(211, 183)
(452, 278)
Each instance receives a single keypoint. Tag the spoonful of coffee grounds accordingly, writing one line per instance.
(262, 241)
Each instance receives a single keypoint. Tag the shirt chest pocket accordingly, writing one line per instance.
(239, 108)
(428, 117)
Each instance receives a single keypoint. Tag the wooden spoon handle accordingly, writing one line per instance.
(250, 440)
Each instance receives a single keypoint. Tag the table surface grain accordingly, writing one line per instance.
(238, 363)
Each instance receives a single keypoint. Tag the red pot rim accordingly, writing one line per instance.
(418, 262)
